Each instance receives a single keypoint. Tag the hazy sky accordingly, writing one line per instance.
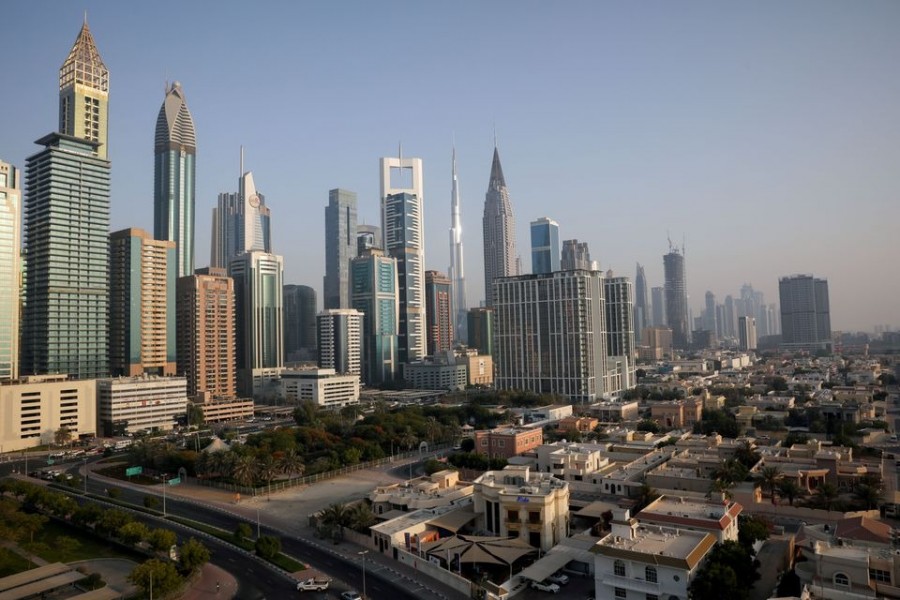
(766, 134)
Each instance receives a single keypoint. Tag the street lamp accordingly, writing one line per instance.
(257, 522)
(164, 494)
(363, 554)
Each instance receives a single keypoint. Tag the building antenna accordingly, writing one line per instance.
(242, 162)
(495, 134)
(683, 244)
(400, 150)
(669, 238)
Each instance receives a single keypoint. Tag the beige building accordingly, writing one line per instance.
(205, 335)
(431, 491)
(517, 502)
(579, 424)
(324, 387)
(480, 370)
(141, 304)
(34, 408)
(146, 402)
(677, 414)
(224, 409)
(656, 343)
(613, 412)
(717, 517)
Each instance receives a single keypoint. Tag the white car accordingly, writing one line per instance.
(559, 578)
(545, 586)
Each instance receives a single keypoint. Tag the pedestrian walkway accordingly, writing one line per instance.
(214, 582)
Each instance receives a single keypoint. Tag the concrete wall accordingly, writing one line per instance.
(460, 584)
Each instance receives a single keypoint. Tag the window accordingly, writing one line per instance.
(512, 516)
(650, 574)
(621, 593)
(652, 597)
(880, 576)
(841, 579)
(619, 568)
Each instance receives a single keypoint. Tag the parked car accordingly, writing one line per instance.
(559, 578)
(351, 595)
(545, 586)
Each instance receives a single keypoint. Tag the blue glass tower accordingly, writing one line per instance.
(544, 246)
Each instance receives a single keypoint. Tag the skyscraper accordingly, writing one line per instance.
(259, 319)
(340, 247)
(241, 223)
(460, 304)
(618, 294)
(174, 181)
(299, 322)
(10, 227)
(205, 335)
(373, 278)
(658, 297)
(84, 94)
(481, 330)
(550, 334)
(141, 304)
(437, 312)
(499, 228)
(575, 255)
(339, 339)
(368, 237)
(747, 333)
(404, 240)
(641, 305)
(676, 298)
(729, 328)
(709, 313)
(805, 312)
(544, 246)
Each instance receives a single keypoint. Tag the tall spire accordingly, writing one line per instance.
(497, 181)
(499, 231)
(457, 272)
(84, 92)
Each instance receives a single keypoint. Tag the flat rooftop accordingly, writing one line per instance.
(661, 541)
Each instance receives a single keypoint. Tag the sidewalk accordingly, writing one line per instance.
(204, 587)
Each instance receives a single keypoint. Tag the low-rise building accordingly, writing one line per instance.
(717, 517)
(34, 408)
(432, 491)
(324, 387)
(144, 402)
(850, 572)
(571, 461)
(506, 442)
(479, 370)
(677, 414)
(615, 412)
(441, 372)
(216, 410)
(579, 424)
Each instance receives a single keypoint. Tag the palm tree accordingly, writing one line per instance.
(868, 490)
(731, 471)
(244, 470)
(408, 439)
(645, 496)
(361, 517)
(826, 495)
(788, 488)
(335, 517)
(268, 469)
(768, 478)
(720, 486)
(291, 463)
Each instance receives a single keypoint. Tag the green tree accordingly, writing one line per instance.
(826, 495)
(151, 502)
(66, 545)
(192, 556)
(752, 529)
(62, 436)
(467, 445)
(768, 478)
(712, 580)
(195, 417)
(244, 470)
(163, 576)
(162, 539)
(361, 517)
(790, 489)
(648, 425)
(268, 469)
(291, 464)
(133, 532)
(335, 517)
(268, 546)
(242, 531)
(868, 491)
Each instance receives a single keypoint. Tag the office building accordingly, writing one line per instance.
(323, 387)
(437, 372)
(729, 327)
(620, 346)
(479, 370)
(506, 442)
(747, 333)
(404, 240)
(141, 304)
(299, 323)
(438, 311)
(805, 313)
(373, 278)
(576, 255)
(339, 339)
(457, 273)
(481, 330)
(544, 246)
(550, 334)
(658, 306)
(368, 237)
(84, 95)
(259, 329)
(642, 316)
(34, 408)
(205, 337)
(241, 222)
(174, 178)
(709, 314)
(656, 343)
(340, 247)
(499, 230)
(141, 403)
(677, 317)
(10, 270)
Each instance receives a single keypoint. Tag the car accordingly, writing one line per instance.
(559, 578)
(545, 586)
(351, 595)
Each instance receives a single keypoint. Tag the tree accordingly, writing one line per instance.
(162, 539)
(133, 532)
(467, 445)
(163, 576)
(268, 469)
(268, 546)
(752, 529)
(361, 517)
(713, 579)
(195, 415)
(868, 491)
(790, 489)
(62, 436)
(244, 470)
(151, 502)
(291, 464)
(192, 556)
(826, 495)
(648, 426)
(242, 531)
(768, 478)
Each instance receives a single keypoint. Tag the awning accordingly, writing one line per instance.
(453, 521)
(546, 566)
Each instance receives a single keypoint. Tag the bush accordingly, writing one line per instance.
(268, 547)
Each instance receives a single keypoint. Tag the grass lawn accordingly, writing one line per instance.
(50, 547)
(11, 563)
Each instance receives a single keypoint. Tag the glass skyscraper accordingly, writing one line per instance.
(340, 247)
(373, 280)
(544, 246)
(676, 299)
(299, 322)
(10, 205)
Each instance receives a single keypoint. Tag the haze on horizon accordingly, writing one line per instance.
(764, 135)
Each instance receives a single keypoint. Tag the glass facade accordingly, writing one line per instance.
(340, 247)
(10, 206)
(374, 293)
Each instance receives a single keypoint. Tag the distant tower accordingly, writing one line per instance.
(437, 312)
(544, 246)
(299, 323)
(805, 312)
(709, 313)
(658, 297)
(241, 223)
(641, 305)
(373, 292)
(340, 247)
(457, 268)
(141, 304)
(174, 180)
(575, 255)
(481, 330)
(368, 237)
(404, 239)
(747, 333)
(339, 339)
(676, 298)
(499, 231)
(729, 329)
(10, 232)
(84, 94)
(620, 341)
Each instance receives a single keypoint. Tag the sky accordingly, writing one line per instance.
(763, 136)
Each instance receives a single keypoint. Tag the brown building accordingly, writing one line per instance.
(141, 304)
(206, 354)
(580, 424)
(656, 343)
(507, 442)
(677, 414)
(437, 312)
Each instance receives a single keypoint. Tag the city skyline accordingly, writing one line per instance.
(739, 128)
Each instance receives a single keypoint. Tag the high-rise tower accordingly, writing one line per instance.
(805, 312)
(676, 298)
(460, 305)
(641, 305)
(575, 255)
(544, 246)
(437, 312)
(499, 231)
(84, 93)
(373, 279)
(10, 228)
(240, 222)
(340, 247)
(175, 150)
(299, 323)
(404, 240)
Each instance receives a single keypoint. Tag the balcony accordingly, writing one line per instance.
(636, 584)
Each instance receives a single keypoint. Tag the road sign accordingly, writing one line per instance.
(175, 481)
(131, 471)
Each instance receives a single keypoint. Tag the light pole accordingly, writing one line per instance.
(164, 494)
(363, 554)
(257, 522)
